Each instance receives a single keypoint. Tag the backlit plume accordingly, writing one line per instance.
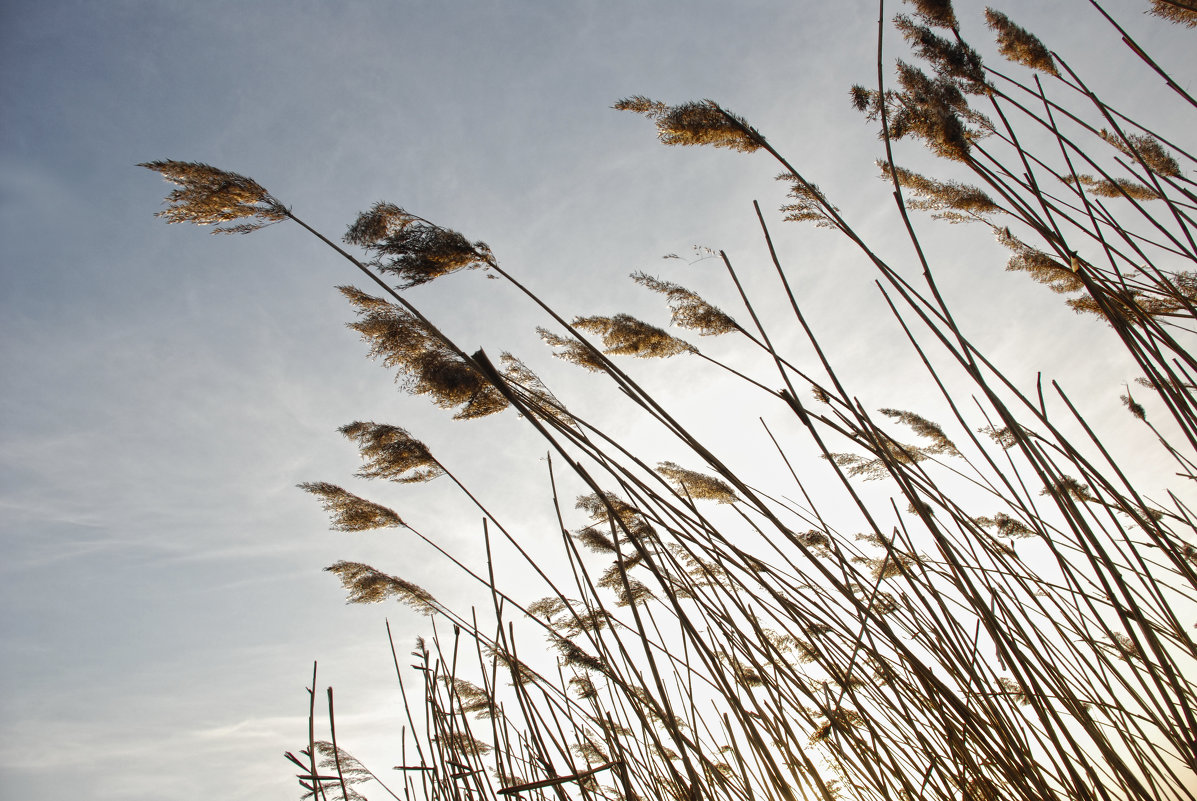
(697, 485)
(413, 248)
(935, 12)
(208, 196)
(689, 310)
(426, 365)
(392, 453)
(369, 586)
(1019, 44)
(1182, 12)
(348, 511)
(573, 350)
(702, 123)
(626, 336)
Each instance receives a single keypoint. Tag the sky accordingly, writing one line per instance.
(165, 390)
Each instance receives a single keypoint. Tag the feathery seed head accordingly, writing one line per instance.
(925, 428)
(1135, 408)
(426, 365)
(810, 204)
(697, 485)
(1039, 265)
(1067, 485)
(696, 123)
(951, 59)
(349, 512)
(413, 248)
(1020, 45)
(942, 196)
(369, 586)
(688, 309)
(1119, 187)
(935, 12)
(862, 98)
(932, 110)
(1181, 12)
(625, 335)
(573, 350)
(1148, 148)
(208, 196)
(391, 452)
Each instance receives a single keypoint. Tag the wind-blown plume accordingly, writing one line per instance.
(1019, 44)
(349, 512)
(688, 309)
(369, 586)
(426, 365)
(696, 123)
(626, 336)
(392, 453)
(208, 196)
(413, 248)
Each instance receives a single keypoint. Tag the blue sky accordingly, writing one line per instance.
(165, 390)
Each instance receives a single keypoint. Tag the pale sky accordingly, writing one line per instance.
(164, 390)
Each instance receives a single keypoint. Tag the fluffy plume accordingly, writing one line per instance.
(688, 309)
(627, 519)
(1119, 187)
(697, 485)
(950, 59)
(1002, 436)
(872, 469)
(392, 453)
(1006, 526)
(471, 697)
(810, 204)
(600, 508)
(635, 592)
(413, 248)
(1067, 485)
(574, 656)
(1039, 265)
(817, 541)
(546, 608)
(701, 123)
(838, 720)
(426, 365)
(1181, 12)
(1131, 305)
(1178, 386)
(348, 511)
(583, 687)
(626, 336)
(573, 350)
(369, 586)
(333, 759)
(935, 111)
(1148, 148)
(935, 12)
(208, 196)
(1019, 44)
(948, 197)
(924, 428)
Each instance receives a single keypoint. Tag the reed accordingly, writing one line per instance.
(1014, 621)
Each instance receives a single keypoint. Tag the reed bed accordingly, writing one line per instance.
(1012, 620)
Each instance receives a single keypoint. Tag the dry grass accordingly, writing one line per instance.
(1029, 639)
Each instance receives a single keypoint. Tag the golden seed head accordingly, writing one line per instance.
(209, 196)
